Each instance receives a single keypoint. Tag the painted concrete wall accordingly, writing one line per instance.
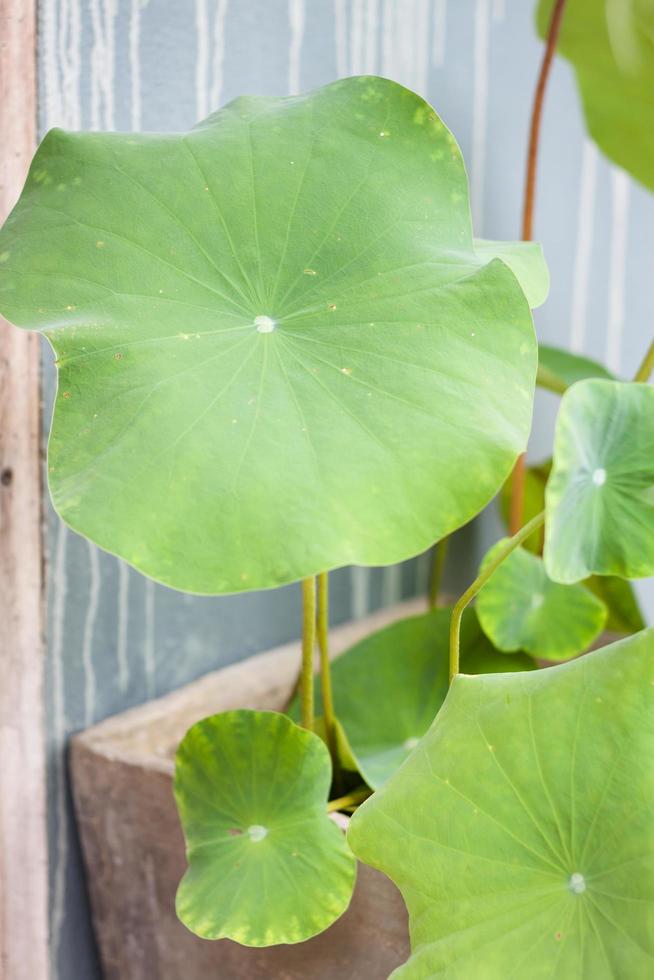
(116, 639)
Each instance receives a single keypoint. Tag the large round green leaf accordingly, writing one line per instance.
(278, 348)
(609, 43)
(521, 608)
(266, 863)
(390, 685)
(521, 831)
(600, 494)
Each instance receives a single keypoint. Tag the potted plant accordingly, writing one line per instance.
(281, 350)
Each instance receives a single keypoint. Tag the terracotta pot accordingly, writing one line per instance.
(134, 851)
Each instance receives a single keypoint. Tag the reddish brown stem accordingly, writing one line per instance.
(518, 477)
(536, 115)
(517, 494)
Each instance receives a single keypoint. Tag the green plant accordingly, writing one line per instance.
(609, 45)
(281, 350)
(536, 857)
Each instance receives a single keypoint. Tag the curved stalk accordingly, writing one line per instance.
(536, 116)
(518, 478)
(352, 799)
(517, 502)
(647, 365)
(308, 646)
(438, 564)
(325, 672)
(550, 381)
(483, 577)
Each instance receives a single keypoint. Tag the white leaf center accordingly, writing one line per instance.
(577, 883)
(264, 324)
(257, 832)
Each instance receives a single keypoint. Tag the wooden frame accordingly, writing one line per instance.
(23, 847)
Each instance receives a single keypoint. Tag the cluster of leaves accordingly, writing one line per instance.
(299, 359)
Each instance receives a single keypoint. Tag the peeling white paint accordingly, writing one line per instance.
(59, 857)
(584, 249)
(439, 33)
(479, 112)
(617, 268)
(89, 632)
(296, 24)
(122, 624)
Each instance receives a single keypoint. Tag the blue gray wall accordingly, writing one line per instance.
(115, 639)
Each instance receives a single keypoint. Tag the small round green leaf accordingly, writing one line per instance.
(521, 831)
(266, 863)
(600, 494)
(251, 318)
(389, 686)
(617, 594)
(609, 43)
(521, 608)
